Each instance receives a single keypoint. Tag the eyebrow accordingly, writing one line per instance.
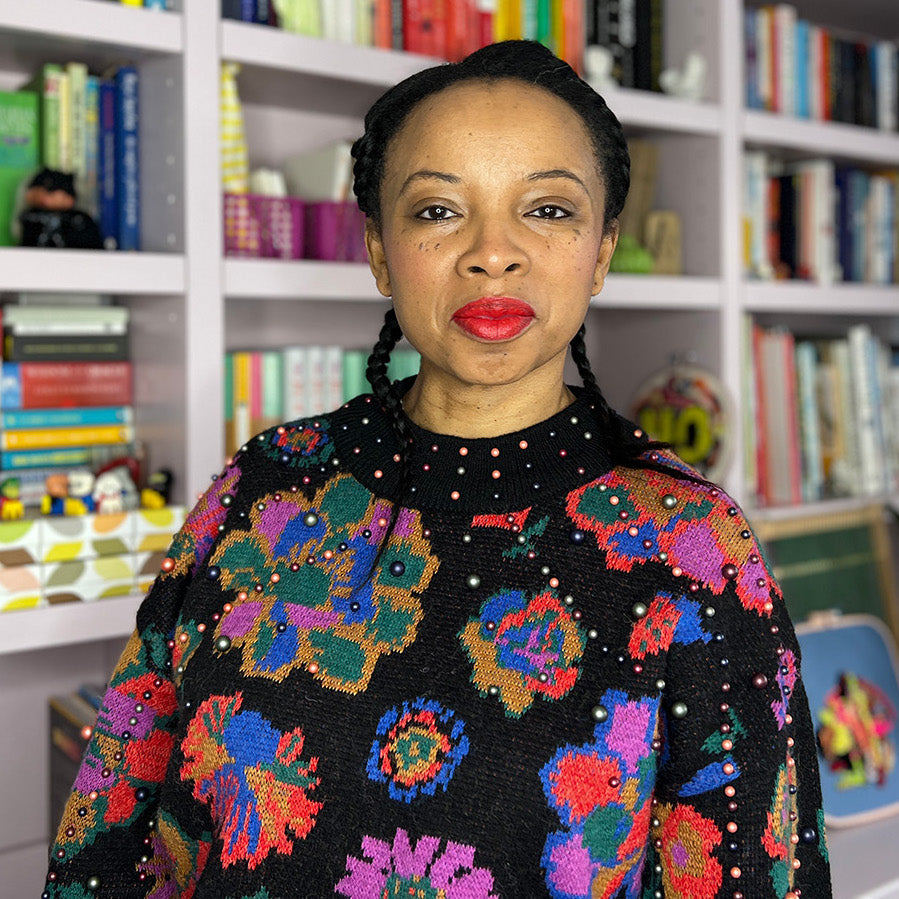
(429, 174)
(556, 173)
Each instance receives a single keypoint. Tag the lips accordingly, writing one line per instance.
(494, 318)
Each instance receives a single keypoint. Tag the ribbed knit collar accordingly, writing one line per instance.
(484, 474)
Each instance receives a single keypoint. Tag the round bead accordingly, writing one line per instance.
(141, 794)
(735, 872)
(639, 610)
(729, 572)
(759, 681)
(93, 884)
(576, 536)
(599, 713)
(808, 835)
(669, 500)
(223, 643)
(473, 582)
(397, 569)
(310, 519)
(679, 709)
(213, 572)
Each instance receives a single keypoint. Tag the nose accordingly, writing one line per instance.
(493, 250)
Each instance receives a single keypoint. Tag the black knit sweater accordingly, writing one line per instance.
(555, 678)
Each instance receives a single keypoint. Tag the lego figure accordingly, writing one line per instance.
(11, 505)
(50, 218)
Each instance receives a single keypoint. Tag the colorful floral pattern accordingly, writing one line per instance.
(194, 540)
(688, 842)
(698, 533)
(307, 595)
(126, 757)
(177, 862)
(787, 675)
(602, 793)
(420, 870)
(781, 830)
(523, 646)
(667, 620)
(418, 747)
(301, 444)
(255, 779)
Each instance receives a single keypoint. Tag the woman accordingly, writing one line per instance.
(471, 635)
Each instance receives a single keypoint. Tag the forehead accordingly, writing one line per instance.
(494, 118)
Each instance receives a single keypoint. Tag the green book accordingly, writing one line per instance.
(19, 152)
(47, 84)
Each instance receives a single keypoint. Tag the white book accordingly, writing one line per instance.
(339, 20)
(294, 362)
(891, 410)
(315, 400)
(755, 212)
(65, 319)
(785, 30)
(814, 80)
(879, 229)
(365, 23)
(847, 477)
(809, 434)
(865, 391)
(333, 377)
(886, 77)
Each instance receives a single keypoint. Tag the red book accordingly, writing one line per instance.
(424, 27)
(383, 24)
(48, 385)
(485, 24)
(573, 35)
(462, 28)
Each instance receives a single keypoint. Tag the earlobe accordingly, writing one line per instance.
(377, 260)
(604, 259)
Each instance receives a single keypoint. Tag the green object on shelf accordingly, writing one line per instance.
(630, 257)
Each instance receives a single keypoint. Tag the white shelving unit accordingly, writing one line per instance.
(189, 304)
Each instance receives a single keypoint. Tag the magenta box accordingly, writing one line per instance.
(269, 227)
(335, 231)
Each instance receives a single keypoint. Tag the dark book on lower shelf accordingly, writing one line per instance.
(65, 347)
(72, 720)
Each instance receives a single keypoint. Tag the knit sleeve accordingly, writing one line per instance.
(738, 801)
(111, 819)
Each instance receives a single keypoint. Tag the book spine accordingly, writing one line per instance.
(750, 62)
(108, 211)
(353, 373)
(155, 4)
(50, 135)
(19, 152)
(49, 385)
(88, 199)
(77, 72)
(314, 400)
(333, 377)
(52, 438)
(262, 12)
(127, 158)
(64, 457)
(866, 405)
(64, 348)
(272, 387)
(242, 378)
(294, 382)
(572, 44)
(486, 12)
(801, 69)
(785, 56)
(66, 418)
(65, 122)
(383, 27)
(364, 22)
(764, 52)
(810, 438)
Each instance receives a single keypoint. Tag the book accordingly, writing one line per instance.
(49, 385)
(77, 72)
(108, 209)
(127, 158)
(648, 46)
(66, 418)
(53, 438)
(338, 20)
(424, 27)
(65, 319)
(19, 152)
(88, 197)
(64, 347)
(91, 457)
(65, 122)
(809, 433)
(46, 84)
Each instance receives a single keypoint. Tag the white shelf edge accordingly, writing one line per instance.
(820, 138)
(273, 48)
(660, 112)
(835, 506)
(663, 292)
(300, 279)
(812, 298)
(110, 24)
(93, 271)
(26, 630)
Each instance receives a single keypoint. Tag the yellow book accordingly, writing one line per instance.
(507, 21)
(47, 438)
(66, 157)
(242, 380)
(133, 2)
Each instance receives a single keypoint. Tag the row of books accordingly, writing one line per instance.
(825, 415)
(71, 120)
(820, 221)
(447, 29)
(66, 398)
(266, 387)
(798, 68)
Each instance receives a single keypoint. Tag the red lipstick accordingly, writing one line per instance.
(494, 318)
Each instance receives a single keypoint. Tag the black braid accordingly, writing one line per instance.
(625, 446)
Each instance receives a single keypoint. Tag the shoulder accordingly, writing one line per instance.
(693, 528)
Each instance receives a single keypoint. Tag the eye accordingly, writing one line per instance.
(550, 211)
(435, 213)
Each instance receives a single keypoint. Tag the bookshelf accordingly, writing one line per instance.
(189, 304)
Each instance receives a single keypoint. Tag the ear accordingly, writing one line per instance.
(377, 259)
(604, 259)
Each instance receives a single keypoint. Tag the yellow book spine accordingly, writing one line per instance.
(242, 380)
(66, 158)
(48, 438)
(507, 20)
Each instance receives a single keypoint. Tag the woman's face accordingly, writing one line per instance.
(491, 240)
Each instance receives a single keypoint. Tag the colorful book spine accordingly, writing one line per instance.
(127, 160)
(52, 438)
(61, 457)
(64, 347)
(88, 198)
(49, 385)
(19, 151)
(66, 158)
(77, 72)
(47, 85)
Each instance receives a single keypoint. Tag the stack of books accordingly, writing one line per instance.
(66, 393)
(266, 387)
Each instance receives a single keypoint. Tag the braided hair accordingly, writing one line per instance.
(531, 63)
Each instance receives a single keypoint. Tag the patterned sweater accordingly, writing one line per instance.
(555, 678)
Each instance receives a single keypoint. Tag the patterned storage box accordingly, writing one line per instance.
(335, 232)
(264, 227)
(849, 667)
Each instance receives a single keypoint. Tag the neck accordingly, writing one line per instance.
(476, 410)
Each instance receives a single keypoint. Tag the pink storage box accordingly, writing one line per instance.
(266, 227)
(335, 232)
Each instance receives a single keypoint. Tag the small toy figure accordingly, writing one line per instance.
(50, 218)
(115, 491)
(11, 506)
(156, 494)
(68, 494)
